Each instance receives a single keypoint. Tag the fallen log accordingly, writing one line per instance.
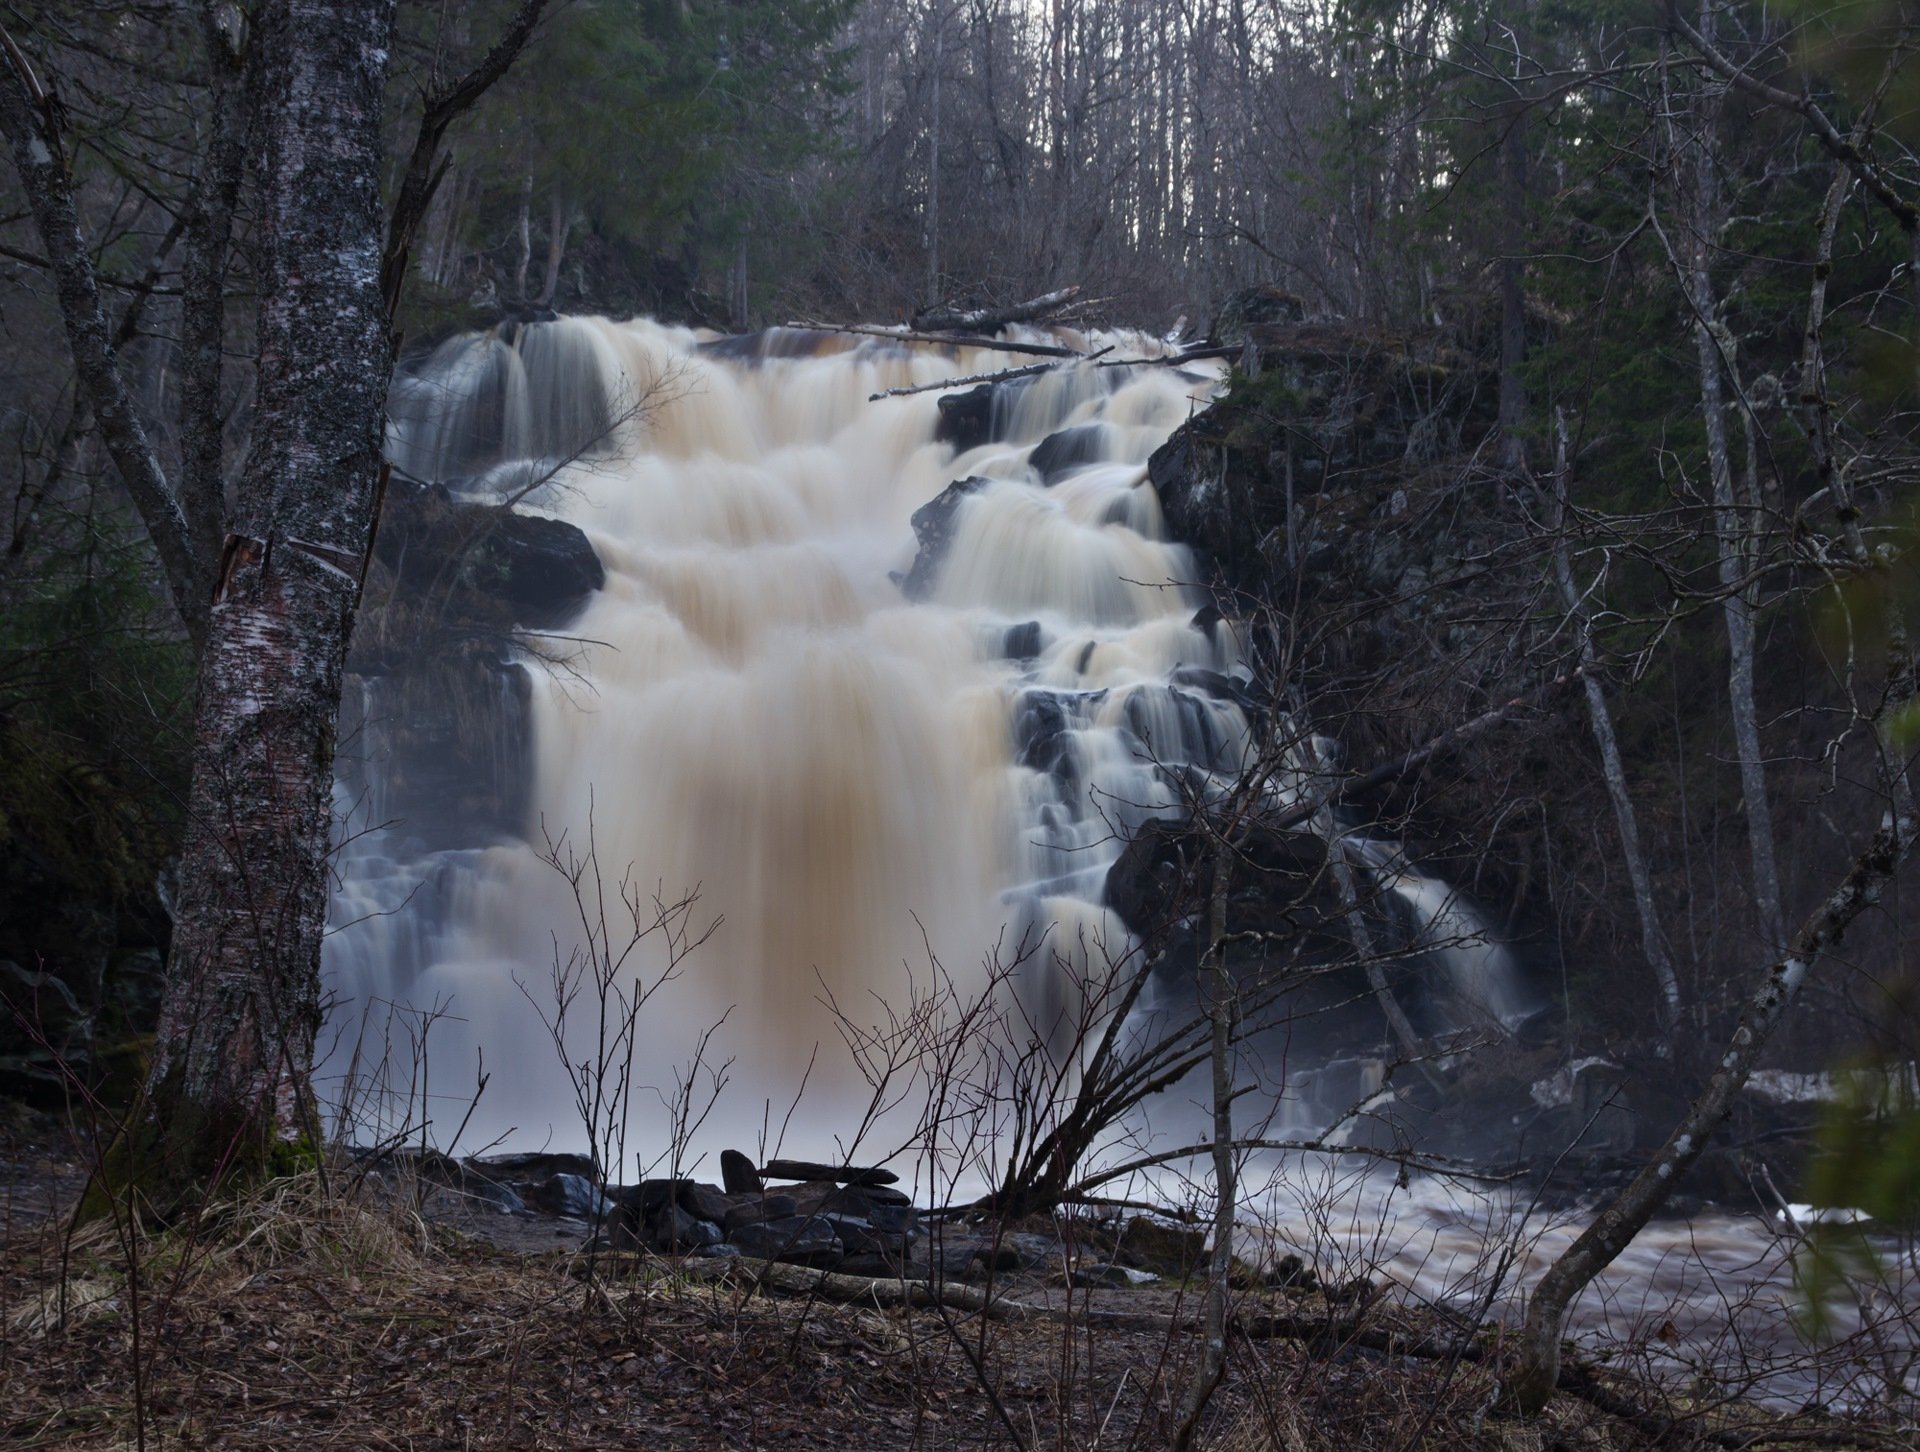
(1002, 376)
(991, 320)
(941, 340)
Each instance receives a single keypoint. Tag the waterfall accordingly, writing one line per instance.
(753, 710)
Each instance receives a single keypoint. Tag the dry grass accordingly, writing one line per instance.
(307, 1318)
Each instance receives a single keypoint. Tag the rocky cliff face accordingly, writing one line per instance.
(436, 733)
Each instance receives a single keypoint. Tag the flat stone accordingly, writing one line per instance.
(838, 1174)
(861, 1236)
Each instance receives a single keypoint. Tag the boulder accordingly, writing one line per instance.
(934, 524)
(1059, 454)
(673, 1231)
(483, 563)
(977, 416)
(793, 1237)
(574, 1196)
(751, 1210)
(1023, 642)
(738, 1175)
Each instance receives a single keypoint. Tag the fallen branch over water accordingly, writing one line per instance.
(1000, 377)
(941, 340)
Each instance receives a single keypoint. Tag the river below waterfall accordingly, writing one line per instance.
(849, 798)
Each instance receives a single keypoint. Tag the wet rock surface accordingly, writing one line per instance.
(934, 524)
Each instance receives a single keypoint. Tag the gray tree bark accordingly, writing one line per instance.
(228, 1077)
(1600, 718)
(1734, 535)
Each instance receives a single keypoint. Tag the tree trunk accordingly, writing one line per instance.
(1600, 719)
(228, 1082)
(1733, 535)
(1538, 1366)
(1221, 1009)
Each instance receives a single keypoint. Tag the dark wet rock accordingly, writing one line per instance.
(770, 343)
(673, 1231)
(977, 416)
(882, 1204)
(574, 1196)
(934, 524)
(859, 1236)
(51, 1037)
(839, 1174)
(738, 1175)
(794, 1237)
(1176, 1251)
(439, 708)
(1023, 641)
(482, 562)
(750, 1210)
(1279, 881)
(1059, 454)
(1044, 727)
(1291, 1273)
(708, 1201)
(972, 1255)
(649, 1195)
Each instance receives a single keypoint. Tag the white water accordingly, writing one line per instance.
(751, 709)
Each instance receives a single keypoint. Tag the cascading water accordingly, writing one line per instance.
(851, 778)
(752, 708)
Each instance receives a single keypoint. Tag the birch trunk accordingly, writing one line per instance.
(1538, 1366)
(1221, 1010)
(229, 1076)
(1613, 768)
(1733, 537)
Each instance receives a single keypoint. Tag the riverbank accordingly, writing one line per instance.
(316, 1314)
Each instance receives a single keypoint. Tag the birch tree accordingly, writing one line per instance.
(271, 610)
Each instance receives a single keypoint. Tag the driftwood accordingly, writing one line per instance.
(1168, 360)
(990, 320)
(999, 377)
(940, 340)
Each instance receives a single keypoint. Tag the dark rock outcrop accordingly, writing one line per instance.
(1059, 454)
(934, 524)
(438, 711)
